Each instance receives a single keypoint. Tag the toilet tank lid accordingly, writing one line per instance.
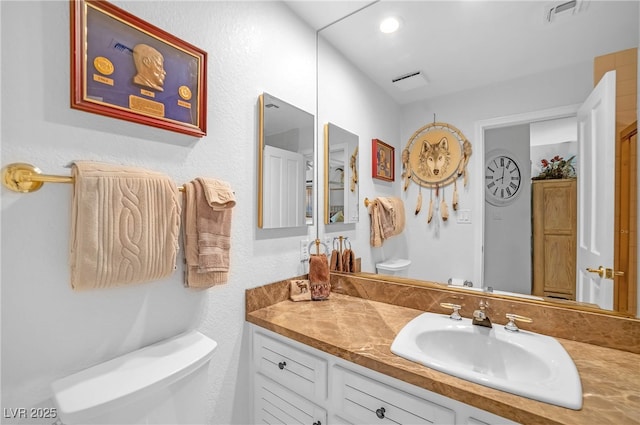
(100, 388)
(397, 264)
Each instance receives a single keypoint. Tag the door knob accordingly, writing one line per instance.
(600, 271)
(607, 273)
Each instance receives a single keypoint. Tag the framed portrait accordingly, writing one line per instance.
(383, 160)
(126, 68)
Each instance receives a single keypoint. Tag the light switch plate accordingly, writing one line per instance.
(464, 216)
(304, 250)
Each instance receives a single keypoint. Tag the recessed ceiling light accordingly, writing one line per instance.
(389, 25)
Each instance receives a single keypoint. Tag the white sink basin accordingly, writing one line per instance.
(522, 363)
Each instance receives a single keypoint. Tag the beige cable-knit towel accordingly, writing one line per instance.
(207, 210)
(125, 225)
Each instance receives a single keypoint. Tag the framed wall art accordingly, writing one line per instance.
(382, 160)
(126, 68)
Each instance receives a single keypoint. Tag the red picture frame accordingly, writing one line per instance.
(123, 67)
(382, 160)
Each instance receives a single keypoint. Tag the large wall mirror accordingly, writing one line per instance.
(285, 164)
(552, 44)
(340, 175)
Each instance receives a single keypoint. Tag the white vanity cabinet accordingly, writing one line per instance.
(290, 385)
(366, 400)
(295, 383)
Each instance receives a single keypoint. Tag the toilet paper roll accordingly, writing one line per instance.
(456, 281)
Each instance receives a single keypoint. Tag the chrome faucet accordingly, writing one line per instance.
(480, 317)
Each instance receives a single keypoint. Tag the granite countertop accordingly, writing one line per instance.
(361, 331)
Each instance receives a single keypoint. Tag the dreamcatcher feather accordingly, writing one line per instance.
(454, 203)
(430, 213)
(406, 169)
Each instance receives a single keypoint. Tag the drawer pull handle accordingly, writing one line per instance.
(380, 413)
(281, 365)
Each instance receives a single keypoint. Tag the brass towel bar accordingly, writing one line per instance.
(26, 178)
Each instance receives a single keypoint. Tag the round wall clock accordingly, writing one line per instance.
(502, 178)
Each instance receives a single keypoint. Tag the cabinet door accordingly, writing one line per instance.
(554, 238)
(297, 370)
(364, 400)
(274, 404)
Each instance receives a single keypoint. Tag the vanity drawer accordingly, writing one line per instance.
(296, 369)
(364, 400)
(274, 404)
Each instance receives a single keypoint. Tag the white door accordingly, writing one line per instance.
(596, 162)
(284, 181)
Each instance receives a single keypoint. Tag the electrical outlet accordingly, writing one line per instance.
(464, 216)
(304, 250)
(328, 241)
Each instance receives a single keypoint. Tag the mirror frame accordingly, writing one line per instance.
(327, 169)
(260, 159)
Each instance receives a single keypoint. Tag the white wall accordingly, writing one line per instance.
(451, 250)
(507, 228)
(351, 101)
(445, 249)
(49, 331)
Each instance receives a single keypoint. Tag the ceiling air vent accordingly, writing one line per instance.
(410, 81)
(560, 10)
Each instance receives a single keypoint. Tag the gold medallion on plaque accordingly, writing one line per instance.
(103, 65)
(184, 92)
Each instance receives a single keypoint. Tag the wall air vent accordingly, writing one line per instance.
(556, 11)
(410, 81)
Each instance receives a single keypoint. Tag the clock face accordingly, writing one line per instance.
(502, 179)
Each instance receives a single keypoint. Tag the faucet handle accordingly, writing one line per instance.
(511, 326)
(455, 307)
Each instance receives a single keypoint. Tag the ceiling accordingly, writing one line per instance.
(462, 45)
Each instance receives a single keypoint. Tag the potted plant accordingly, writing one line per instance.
(557, 168)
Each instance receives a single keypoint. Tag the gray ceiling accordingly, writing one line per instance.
(461, 45)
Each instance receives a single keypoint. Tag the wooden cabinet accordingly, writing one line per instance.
(295, 383)
(554, 219)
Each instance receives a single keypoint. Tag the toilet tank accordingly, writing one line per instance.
(397, 267)
(163, 383)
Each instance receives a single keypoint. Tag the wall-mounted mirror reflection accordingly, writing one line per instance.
(285, 164)
(340, 175)
(507, 59)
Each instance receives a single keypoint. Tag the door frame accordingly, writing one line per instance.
(480, 128)
(507, 121)
(625, 229)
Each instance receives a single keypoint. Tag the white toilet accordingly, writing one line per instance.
(397, 267)
(163, 383)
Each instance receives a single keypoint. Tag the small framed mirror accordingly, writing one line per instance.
(340, 175)
(285, 165)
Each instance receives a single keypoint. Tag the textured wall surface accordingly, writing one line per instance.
(49, 331)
